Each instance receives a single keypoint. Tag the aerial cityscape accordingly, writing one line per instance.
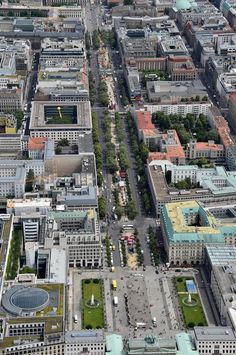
(118, 177)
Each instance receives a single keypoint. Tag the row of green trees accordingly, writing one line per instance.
(140, 151)
(29, 181)
(97, 148)
(119, 128)
(111, 160)
(138, 247)
(103, 93)
(14, 255)
(108, 251)
(96, 40)
(153, 245)
(92, 89)
(102, 207)
(186, 127)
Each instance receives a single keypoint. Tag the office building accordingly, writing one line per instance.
(78, 233)
(68, 120)
(215, 340)
(213, 185)
(172, 46)
(187, 227)
(30, 204)
(226, 85)
(174, 92)
(77, 342)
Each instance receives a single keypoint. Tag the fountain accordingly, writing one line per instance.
(92, 300)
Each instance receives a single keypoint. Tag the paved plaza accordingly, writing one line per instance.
(137, 301)
(148, 295)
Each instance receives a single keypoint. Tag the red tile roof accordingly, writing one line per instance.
(144, 120)
(208, 146)
(36, 143)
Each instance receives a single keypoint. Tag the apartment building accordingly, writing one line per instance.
(147, 132)
(195, 108)
(219, 123)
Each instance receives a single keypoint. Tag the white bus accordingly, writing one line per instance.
(127, 227)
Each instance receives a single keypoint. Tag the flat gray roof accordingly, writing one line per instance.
(37, 119)
(221, 255)
(214, 333)
(84, 336)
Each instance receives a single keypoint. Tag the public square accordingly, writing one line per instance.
(142, 296)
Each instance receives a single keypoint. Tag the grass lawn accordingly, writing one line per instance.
(92, 317)
(180, 283)
(193, 315)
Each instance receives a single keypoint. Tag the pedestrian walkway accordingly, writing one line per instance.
(169, 303)
(108, 304)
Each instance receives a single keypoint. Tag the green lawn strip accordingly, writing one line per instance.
(193, 315)
(92, 317)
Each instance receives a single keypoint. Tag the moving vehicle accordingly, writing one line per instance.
(115, 301)
(140, 325)
(114, 284)
(112, 269)
(75, 318)
(127, 226)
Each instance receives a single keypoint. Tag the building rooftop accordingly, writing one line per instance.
(185, 344)
(221, 255)
(144, 120)
(58, 266)
(36, 143)
(74, 115)
(114, 344)
(210, 145)
(92, 336)
(214, 333)
(34, 202)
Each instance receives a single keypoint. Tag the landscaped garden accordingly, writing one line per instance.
(92, 304)
(190, 304)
